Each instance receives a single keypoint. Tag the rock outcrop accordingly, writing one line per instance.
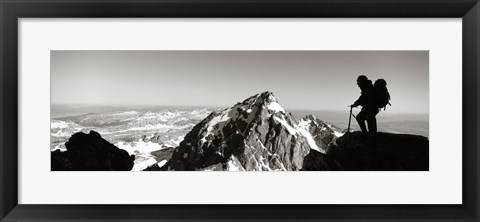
(356, 152)
(90, 152)
(324, 134)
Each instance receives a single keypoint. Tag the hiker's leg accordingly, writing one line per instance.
(372, 124)
(372, 128)
(361, 117)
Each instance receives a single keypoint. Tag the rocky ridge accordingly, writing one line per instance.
(90, 152)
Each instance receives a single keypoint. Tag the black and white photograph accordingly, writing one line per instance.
(239, 110)
(317, 110)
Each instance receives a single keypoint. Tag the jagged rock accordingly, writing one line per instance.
(91, 152)
(354, 151)
(322, 133)
(156, 139)
(145, 138)
(60, 161)
(161, 156)
(316, 161)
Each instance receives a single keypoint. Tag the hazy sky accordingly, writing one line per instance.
(322, 80)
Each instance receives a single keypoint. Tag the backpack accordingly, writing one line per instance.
(382, 97)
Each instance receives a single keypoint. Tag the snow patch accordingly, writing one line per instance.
(338, 134)
(216, 123)
(290, 129)
(138, 147)
(310, 140)
(143, 164)
(124, 113)
(219, 119)
(58, 124)
(60, 133)
(305, 124)
(60, 147)
(264, 165)
(231, 165)
(275, 107)
(151, 127)
(174, 142)
(161, 163)
(142, 152)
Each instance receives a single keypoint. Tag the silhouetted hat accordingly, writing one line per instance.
(362, 78)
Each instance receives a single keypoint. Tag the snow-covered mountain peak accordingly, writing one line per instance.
(257, 133)
(240, 117)
(265, 100)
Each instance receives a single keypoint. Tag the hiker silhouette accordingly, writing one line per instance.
(369, 106)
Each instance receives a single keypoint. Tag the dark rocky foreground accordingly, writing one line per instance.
(90, 152)
(354, 152)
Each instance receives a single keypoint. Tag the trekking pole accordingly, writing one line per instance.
(349, 119)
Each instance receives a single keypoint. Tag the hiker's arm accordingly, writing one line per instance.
(359, 101)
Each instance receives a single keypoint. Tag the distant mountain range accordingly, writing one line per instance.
(406, 123)
(138, 132)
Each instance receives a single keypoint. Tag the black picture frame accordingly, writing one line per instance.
(12, 10)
